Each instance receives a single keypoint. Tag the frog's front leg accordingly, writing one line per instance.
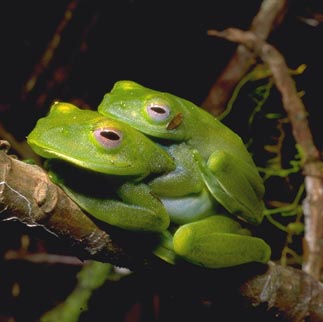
(184, 180)
(219, 241)
(137, 209)
(234, 184)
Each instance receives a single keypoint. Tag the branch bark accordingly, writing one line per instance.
(297, 299)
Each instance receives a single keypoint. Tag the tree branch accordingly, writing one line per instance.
(49, 53)
(28, 195)
(296, 295)
(270, 14)
(312, 163)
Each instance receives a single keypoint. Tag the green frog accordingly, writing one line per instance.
(121, 177)
(226, 166)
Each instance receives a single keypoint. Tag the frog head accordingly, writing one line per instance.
(94, 142)
(158, 114)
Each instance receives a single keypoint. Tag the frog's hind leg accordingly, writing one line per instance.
(138, 209)
(217, 242)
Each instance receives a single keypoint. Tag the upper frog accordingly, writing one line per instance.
(225, 163)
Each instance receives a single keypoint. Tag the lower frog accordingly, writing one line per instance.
(119, 176)
(100, 163)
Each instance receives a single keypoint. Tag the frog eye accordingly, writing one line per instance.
(158, 112)
(108, 137)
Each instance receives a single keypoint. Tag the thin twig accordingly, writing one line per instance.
(270, 14)
(312, 163)
(42, 258)
(22, 149)
(48, 55)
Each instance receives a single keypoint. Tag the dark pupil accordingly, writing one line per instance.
(110, 135)
(158, 109)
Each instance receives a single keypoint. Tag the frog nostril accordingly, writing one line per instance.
(175, 122)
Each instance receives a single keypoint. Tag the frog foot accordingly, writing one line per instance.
(219, 241)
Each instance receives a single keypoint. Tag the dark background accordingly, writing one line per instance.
(160, 44)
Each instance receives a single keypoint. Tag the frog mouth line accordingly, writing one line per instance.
(85, 165)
